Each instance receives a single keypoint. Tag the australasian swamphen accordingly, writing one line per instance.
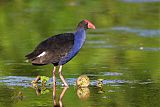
(60, 49)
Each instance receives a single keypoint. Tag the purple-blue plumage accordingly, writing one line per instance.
(79, 39)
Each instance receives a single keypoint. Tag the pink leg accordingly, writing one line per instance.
(54, 85)
(61, 76)
(54, 76)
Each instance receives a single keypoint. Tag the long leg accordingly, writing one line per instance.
(54, 76)
(61, 76)
(54, 85)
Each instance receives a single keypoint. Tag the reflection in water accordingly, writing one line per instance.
(17, 97)
(40, 90)
(60, 97)
(99, 85)
(83, 92)
(43, 90)
(100, 90)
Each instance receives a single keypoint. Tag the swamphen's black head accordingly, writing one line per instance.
(86, 25)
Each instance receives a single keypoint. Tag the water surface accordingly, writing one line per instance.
(124, 51)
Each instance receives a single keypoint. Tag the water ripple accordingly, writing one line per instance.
(26, 81)
(125, 47)
(139, 1)
(140, 32)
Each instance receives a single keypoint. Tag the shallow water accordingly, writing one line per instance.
(123, 51)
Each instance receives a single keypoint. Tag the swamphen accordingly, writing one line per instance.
(60, 49)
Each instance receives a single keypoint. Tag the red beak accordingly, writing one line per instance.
(90, 25)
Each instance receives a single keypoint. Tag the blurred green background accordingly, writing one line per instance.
(124, 50)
